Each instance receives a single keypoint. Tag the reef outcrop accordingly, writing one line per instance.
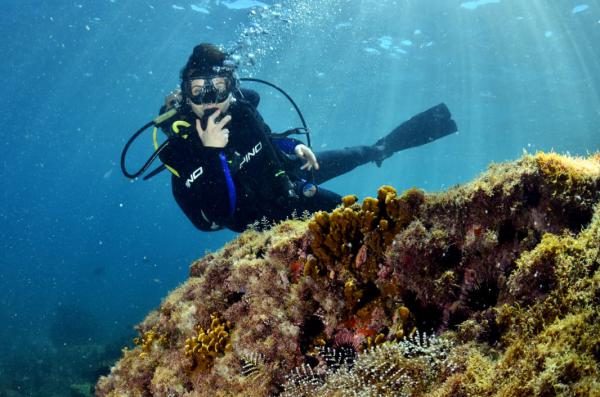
(490, 288)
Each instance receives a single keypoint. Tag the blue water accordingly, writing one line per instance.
(86, 253)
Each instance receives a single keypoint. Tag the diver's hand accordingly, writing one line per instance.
(215, 135)
(308, 156)
(172, 99)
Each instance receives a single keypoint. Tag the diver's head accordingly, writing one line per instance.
(208, 79)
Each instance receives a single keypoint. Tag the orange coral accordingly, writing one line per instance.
(148, 339)
(356, 236)
(209, 344)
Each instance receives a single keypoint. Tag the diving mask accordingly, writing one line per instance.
(209, 89)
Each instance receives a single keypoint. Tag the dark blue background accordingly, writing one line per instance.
(79, 77)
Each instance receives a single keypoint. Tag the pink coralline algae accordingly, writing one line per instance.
(490, 288)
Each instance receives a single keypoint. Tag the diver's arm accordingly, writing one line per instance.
(295, 149)
(193, 211)
(286, 145)
(200, 186)
(289, 148)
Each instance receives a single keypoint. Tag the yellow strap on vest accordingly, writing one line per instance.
(154, 138)
(175, 126)
(155, 141)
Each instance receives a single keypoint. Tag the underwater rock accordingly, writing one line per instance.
(490, 288)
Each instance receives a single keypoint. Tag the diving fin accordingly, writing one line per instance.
(423, 128)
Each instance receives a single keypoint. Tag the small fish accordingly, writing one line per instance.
(580, 8)
(385, 42)
(200, 9)
(243, 4)
(472, 5)
(372, 51)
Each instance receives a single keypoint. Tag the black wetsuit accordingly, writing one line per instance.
(255, 176)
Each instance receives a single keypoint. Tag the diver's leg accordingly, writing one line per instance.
(422, 128)
(323, 200)
(334, 163)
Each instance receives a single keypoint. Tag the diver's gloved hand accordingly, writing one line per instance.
(215, 134)
(306, 154)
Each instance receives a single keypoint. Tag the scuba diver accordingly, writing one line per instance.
(230, 171)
